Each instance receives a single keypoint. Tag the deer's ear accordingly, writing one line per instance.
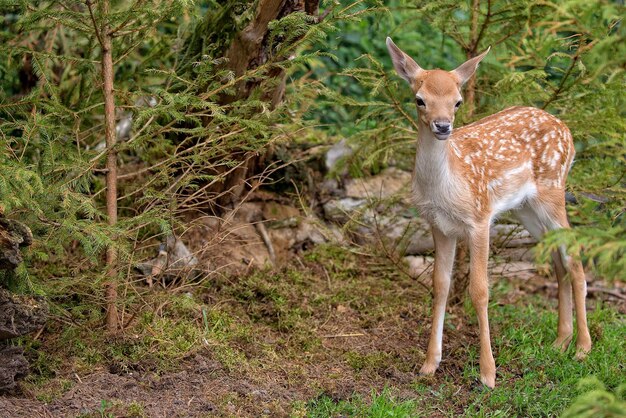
(465, 70)
(406, 67)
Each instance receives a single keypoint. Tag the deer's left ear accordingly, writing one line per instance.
(465, 70)
(406, 67)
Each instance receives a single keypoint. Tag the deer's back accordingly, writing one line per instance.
(507, 156)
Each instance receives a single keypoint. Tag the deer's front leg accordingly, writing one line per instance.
(479, 292)
(444, 260)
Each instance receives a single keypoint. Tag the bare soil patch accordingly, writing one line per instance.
(333, 323)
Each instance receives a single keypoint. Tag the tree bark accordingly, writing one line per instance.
(13, 366)
(19, 315)
(104, 37)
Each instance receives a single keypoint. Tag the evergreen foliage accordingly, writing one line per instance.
(184, 139)
(595, 401)
(566, 57)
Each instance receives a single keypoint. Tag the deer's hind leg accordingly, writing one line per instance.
(557, 219)
(550, 215)
(532, 222)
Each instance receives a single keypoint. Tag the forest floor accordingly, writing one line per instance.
(336, 332)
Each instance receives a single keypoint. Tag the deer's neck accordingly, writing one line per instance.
(433, 160)
(439, 188)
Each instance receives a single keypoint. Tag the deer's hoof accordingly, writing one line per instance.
(489, 381)
(561, 343)
(582, 351)
(583, 346)
(428, 369)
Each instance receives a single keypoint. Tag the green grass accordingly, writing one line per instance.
(285, 329)
(533, 379)
(381, 405)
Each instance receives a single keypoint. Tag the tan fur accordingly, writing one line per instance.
(517, 159)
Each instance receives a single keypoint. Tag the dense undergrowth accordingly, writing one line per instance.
(362, 326)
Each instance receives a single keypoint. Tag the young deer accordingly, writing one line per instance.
(517, 159)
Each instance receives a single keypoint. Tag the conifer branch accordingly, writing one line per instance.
(93, 21)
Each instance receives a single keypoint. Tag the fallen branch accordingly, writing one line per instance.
(356, 334)
(594, 289)
(267, 240)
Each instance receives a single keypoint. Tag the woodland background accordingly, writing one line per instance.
(125, 123)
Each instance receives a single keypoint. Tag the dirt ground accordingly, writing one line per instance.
(353, 332)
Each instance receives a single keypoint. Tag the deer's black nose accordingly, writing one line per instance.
(442, 127)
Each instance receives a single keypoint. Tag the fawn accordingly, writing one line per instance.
(518, 160)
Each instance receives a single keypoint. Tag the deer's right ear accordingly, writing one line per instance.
(406, 67)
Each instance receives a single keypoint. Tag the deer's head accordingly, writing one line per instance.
(437, 92)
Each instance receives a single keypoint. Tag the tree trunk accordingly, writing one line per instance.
(13, 366)
(19, 315)
(111, 162)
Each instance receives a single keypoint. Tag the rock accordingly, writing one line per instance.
(173, 260)
(395, 226)
(20, 315)
(377, 210)
(13, 366)
(410, 235)
(274, 212)
(245, 212)
(331, 187)
(518, 269)
(419, 265)
(510, 236)
(307, 232)
(342, 210)
(13, 235)
(390, 182)
(180, 258)
(337, 153)
(233, 242)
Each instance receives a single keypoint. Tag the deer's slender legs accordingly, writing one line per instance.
(444, 260)
(579, 285)
(565, 327)
(557, 218)
(479, 292)
(531, 221)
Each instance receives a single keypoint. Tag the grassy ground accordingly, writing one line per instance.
(337, 333)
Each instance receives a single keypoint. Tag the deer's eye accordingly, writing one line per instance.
(420, 102)
(458, 104)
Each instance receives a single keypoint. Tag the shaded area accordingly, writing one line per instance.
(19, 315)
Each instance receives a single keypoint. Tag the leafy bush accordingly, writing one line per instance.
(595, 401)
(191, 127)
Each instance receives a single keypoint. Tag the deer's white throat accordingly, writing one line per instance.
(437, 189)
